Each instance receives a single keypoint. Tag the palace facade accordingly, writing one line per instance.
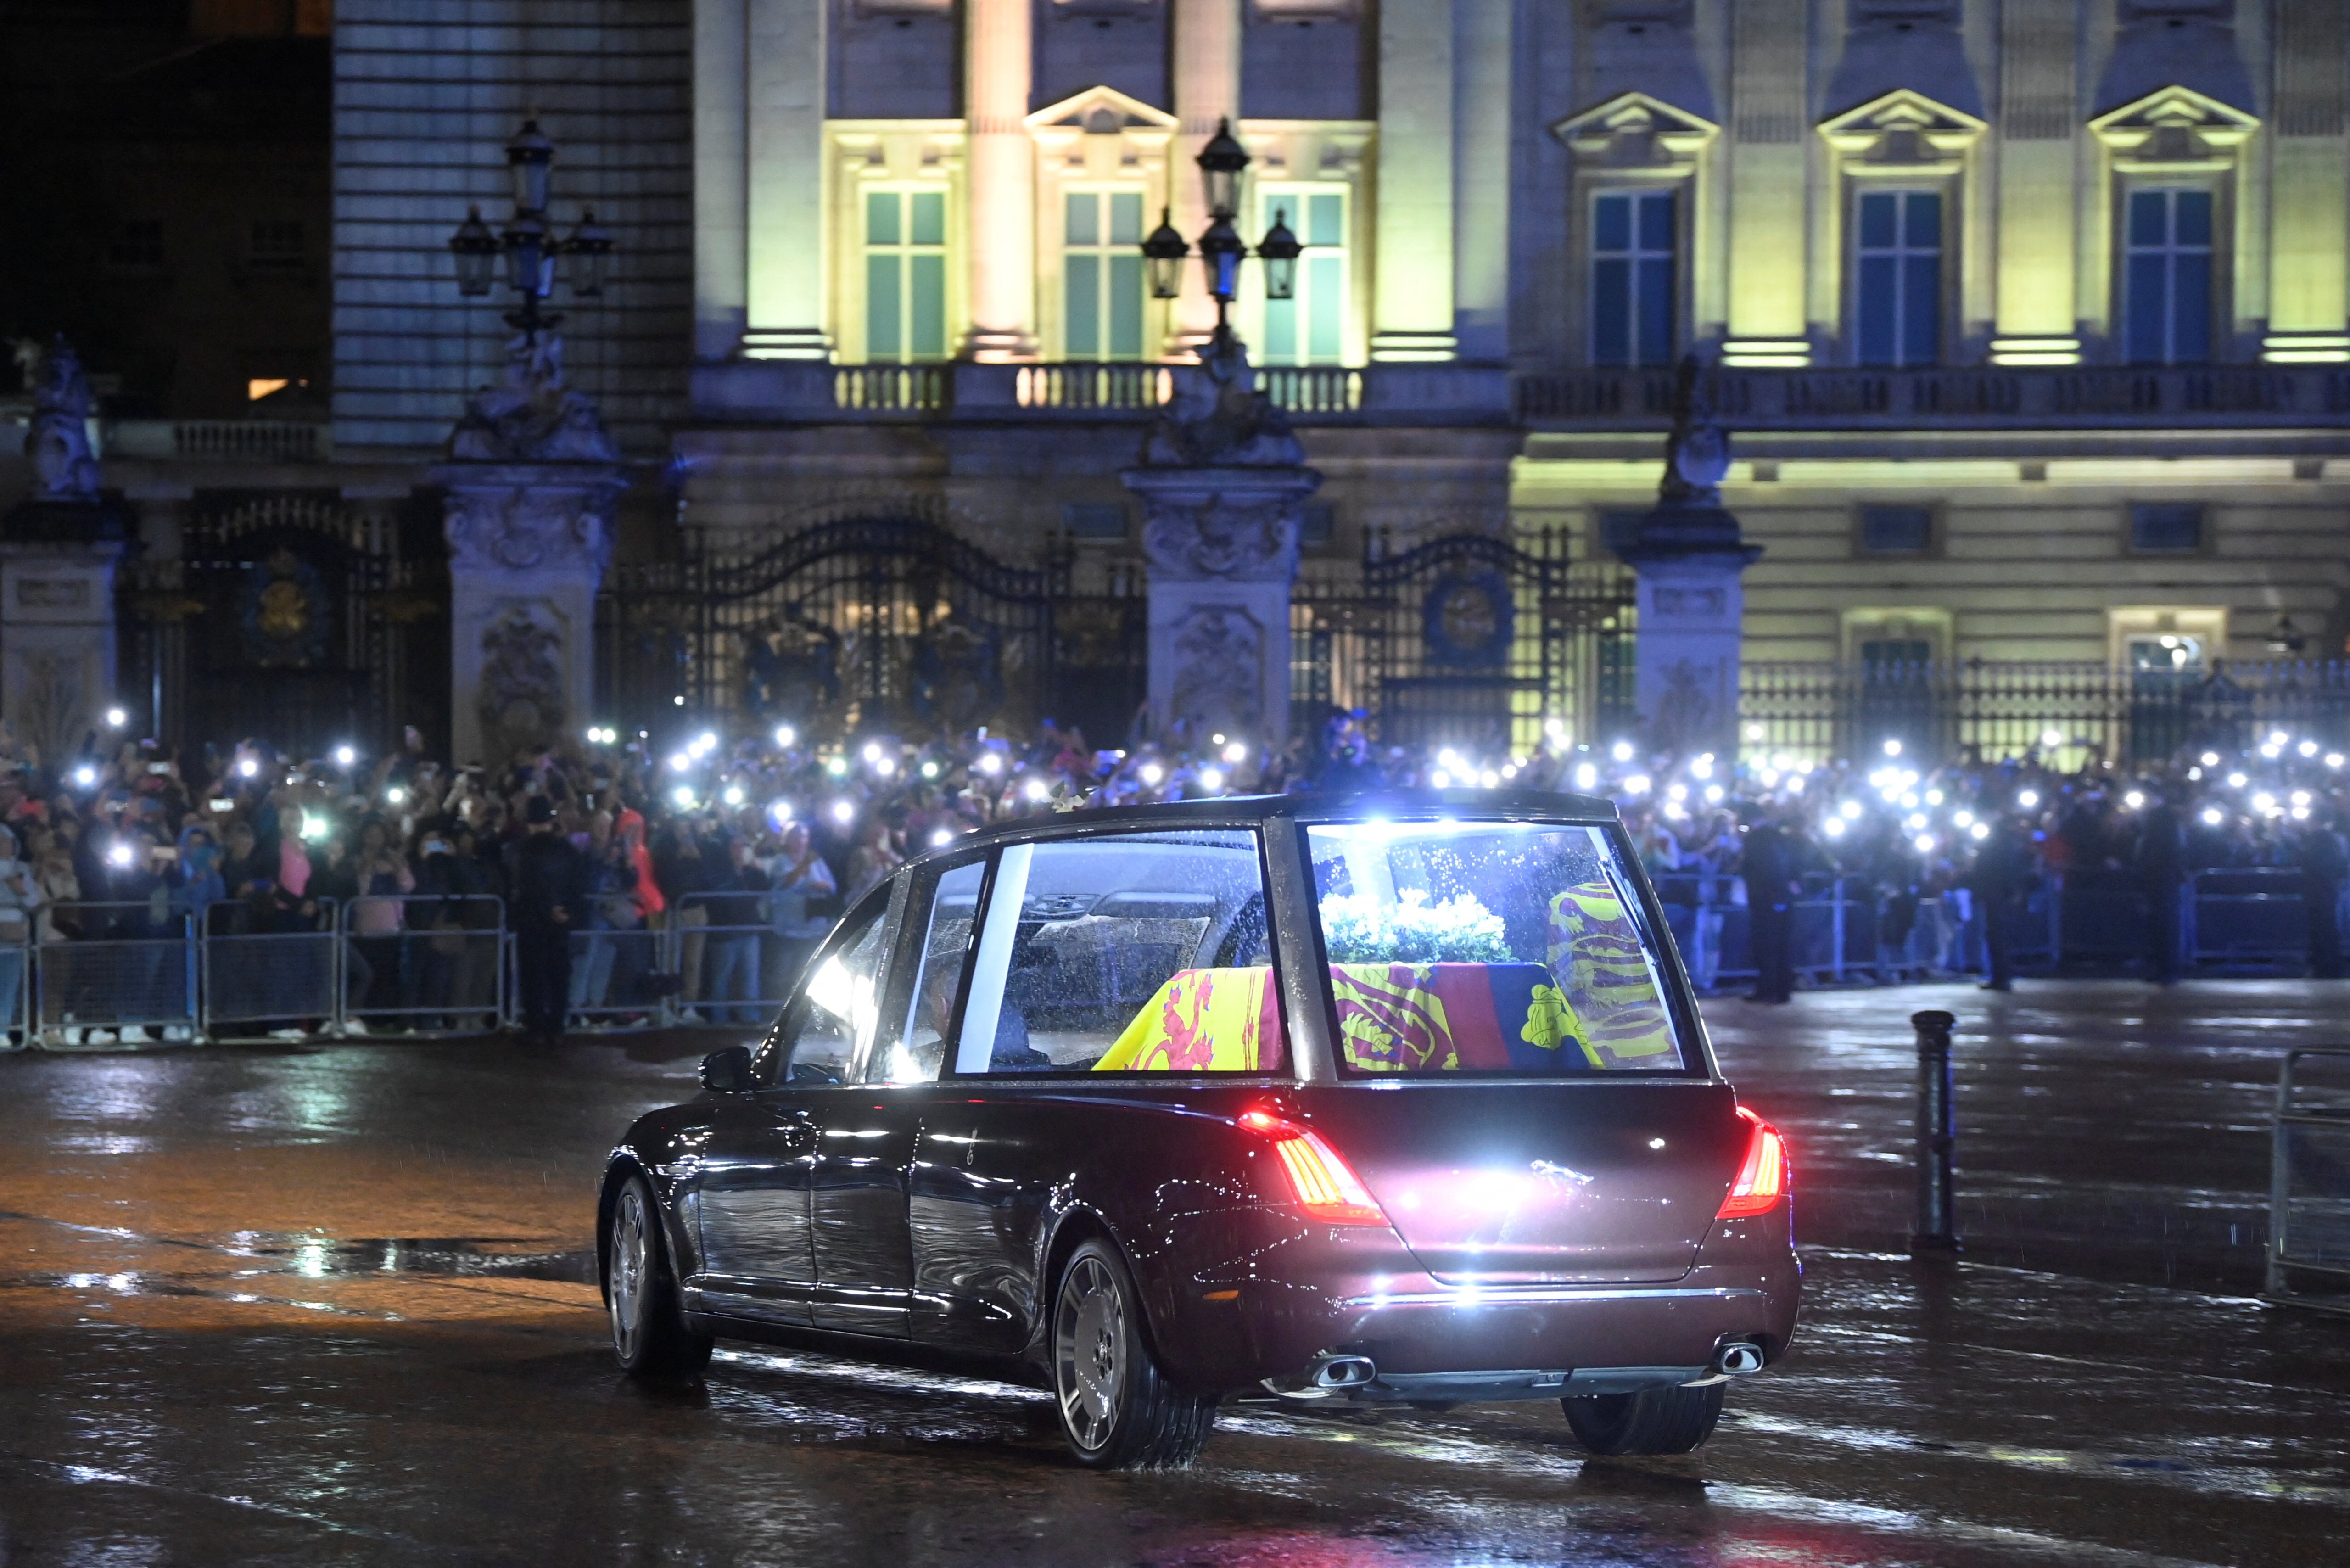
(2030, 318)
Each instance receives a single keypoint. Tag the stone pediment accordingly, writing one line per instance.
(2175, 127)
(1903, 127)
(1634, 130)
(1101, 109)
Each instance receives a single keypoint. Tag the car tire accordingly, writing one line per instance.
(648, 1333)
(1116, 1408)
(1653, 1421)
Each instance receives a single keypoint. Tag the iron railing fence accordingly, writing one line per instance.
(2071, 713)
(861, 621)
(1478, 639)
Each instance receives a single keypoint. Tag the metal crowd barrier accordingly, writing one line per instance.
(753, 964)
(615, 973)
(16, 985)
(2248, 917)
(2230, 918)
(253, 985)
(2309, 1187)
(425, 963)
(117, 975)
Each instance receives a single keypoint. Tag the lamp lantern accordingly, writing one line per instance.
(530, 256)
(530, 159)
(1279, 251)
(1164, 252)
(476, 250)
(1221, 251)
(1221, 162)
(590, 253)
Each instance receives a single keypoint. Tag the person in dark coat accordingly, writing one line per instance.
(2160, 861)
(2003, 866)
(550, 901)
(1772, 864)
(2324, 865)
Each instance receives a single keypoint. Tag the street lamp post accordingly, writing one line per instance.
(529, 244)
(1221, 250)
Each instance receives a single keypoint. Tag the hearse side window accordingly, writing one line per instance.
(836, 1010)
(915, 1056)
(1506, 948)
(1144, 952)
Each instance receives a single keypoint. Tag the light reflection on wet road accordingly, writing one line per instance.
(333, 1307)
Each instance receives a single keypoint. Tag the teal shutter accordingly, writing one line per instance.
(929, 214)
(1326, 288)
(1082, 283)
(883, 303)
(926, 305)
(1126, 306)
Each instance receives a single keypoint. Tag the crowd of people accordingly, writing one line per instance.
(683, 877)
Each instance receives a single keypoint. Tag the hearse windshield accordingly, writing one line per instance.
(1500, 948)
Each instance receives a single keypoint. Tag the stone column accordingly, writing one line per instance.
(783, 188)
(2033, 303)
(1481, 180)
(1769, 172)
(1000, 200)
(1206, 51)
(2309, 289)
(1689, 558)
(531, 487)
(1411, 292)
(58, 632)
(1222, 545)
(527, 548)
(721, 169)
(1222, 483)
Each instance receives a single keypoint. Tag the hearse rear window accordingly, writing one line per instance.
(1510, 949)
(1141, 952)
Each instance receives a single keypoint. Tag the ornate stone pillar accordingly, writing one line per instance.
(531, 489)
(1001, 204)
(1689, 558)
(783, 58)
(58, 551)
(1222, 483)
(1412, 294)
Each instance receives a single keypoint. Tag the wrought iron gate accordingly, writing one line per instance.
(869, 623)
(1467, 638)
(289, 616)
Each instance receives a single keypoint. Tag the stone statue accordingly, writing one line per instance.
(1689, 516)
(1217, 417)
(58, 443)
(1696, 453)
(530, 416)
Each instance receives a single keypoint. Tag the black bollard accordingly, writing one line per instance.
(1937, 1201)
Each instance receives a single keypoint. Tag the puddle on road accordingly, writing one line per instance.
(325, 1257)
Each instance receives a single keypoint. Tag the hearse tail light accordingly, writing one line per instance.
(1326, 1185)
(1762, 1179)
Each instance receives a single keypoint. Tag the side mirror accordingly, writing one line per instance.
(727, 1070)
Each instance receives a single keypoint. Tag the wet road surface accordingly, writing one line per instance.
(332, 1306)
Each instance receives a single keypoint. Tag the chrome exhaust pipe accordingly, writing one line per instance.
(1343, 1372)
(1738, 1359)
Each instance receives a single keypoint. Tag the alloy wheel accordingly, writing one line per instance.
(1089, 1353)
(626, 1277)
